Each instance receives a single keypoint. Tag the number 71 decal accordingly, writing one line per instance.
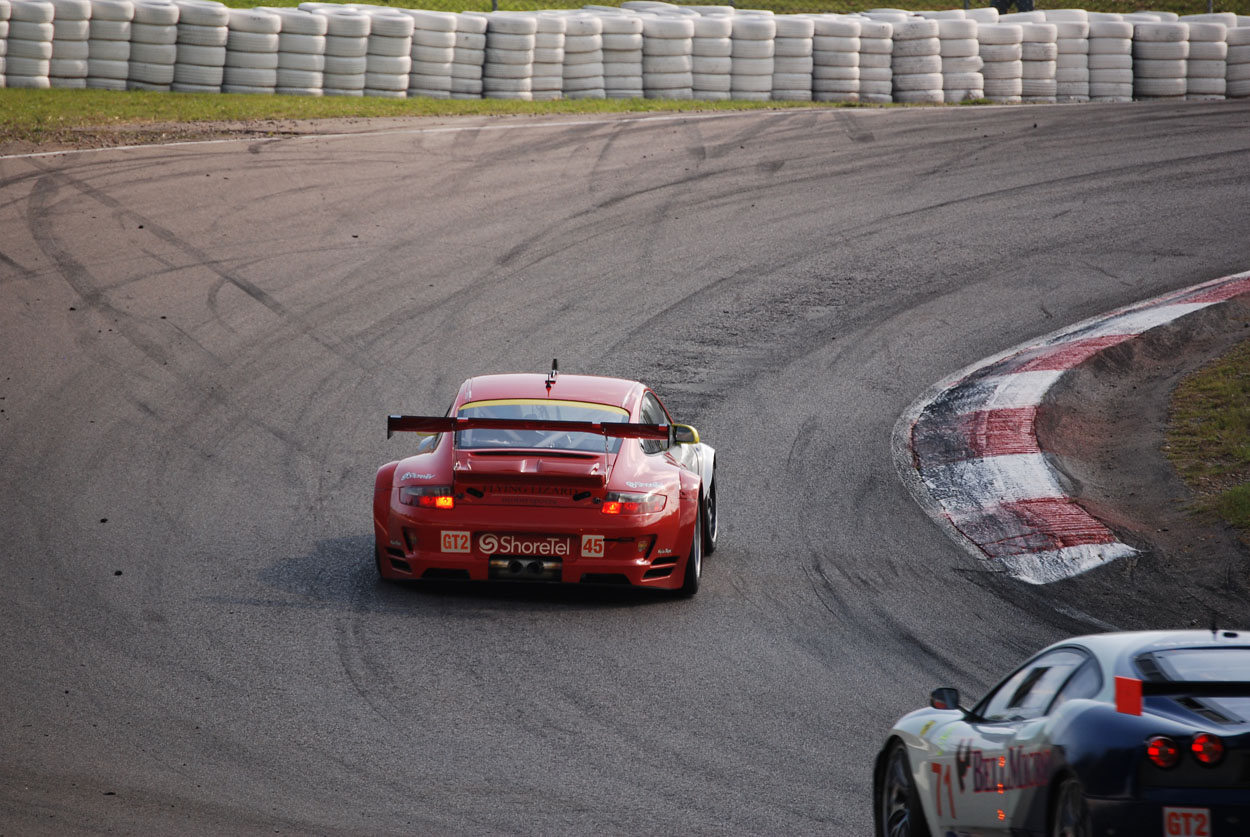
(943, 773)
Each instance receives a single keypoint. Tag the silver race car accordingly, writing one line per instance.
(1125, 734)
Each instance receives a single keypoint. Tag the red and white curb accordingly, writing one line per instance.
(969, 453)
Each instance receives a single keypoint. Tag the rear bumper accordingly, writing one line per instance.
(1225, 815)
(581, 548)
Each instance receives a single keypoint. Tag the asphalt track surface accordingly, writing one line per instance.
(200, 344)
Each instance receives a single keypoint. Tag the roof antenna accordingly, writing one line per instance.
(551, 377)
(1214, 629)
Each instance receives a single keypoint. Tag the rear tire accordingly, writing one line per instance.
(710, 525)
(1069, 815)
(694, 563)
(899, 813)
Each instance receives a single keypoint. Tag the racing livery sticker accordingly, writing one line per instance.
(1016, 770)
(1187, 822)
(491, 544)
(592, 546)
(454, 541)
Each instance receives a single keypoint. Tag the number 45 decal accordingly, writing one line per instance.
(943, 777)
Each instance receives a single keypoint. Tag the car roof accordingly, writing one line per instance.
(1116, 650)
(594, 389)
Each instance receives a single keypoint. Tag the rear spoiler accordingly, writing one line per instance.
(451, 424)
(1130, 691)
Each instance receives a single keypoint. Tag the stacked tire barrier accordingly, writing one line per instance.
(153, 46)
(751, 71)
(1160, 51)
(28, 53)
(916, 62)
(547, 78)
(469, 56)
(668, 58)
(509, 69)
(792, 59)
(203, 29)
(1072, 54)
(1207, 64)
(622, 56)
(252, 52)
(301, 52)
(108, 46)
(1038, 54)
(1237, 76)
(961, 60)
(1001, 48)
(388, 59)
(835, 59)
(1110, 60)
(433, 53)
(643, 48)
(712, 57)
(67, 52)
(876, 47)
(583, 72)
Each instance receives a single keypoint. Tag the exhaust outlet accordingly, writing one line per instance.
(535, 567)
(515, 567)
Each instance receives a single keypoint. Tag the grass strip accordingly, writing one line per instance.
(1208, 437)
(106, 117)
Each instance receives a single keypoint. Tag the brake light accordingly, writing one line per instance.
(1208, 749)
(1162, 751)
(427, 496)
(618, 502)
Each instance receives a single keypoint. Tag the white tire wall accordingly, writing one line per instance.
(469, 56)
(1001, 45)
(548, 60)
(712, 57)
(1039, 54)
(916, 62)
(1159, 52)
(792, 59)
(835, 59)
(108, 44)
(583, 73)
(1237, 73)
(1110, 60)
(433, 53)
(201, 46)
(1072, 63)
(388, 55)
(508, 70)
(1206, 68)
(876, 46)
(960, 58)
(68, 48)
(622, 56)
(301, 52)
(751, 73)
(667, 57)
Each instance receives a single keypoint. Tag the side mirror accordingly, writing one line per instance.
(944, 698)
(683, 434)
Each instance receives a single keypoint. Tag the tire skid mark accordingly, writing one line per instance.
(202, 258)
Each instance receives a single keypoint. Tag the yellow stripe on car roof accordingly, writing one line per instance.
(541, 402)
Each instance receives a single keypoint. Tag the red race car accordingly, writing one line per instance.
(533, 477)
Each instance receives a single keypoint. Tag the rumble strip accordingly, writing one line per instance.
(969, 453)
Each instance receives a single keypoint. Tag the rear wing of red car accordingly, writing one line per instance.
(452, 424)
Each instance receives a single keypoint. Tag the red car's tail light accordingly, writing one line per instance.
(1208, 749)
(617, 502)
(427, 496)
(1162, 751)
